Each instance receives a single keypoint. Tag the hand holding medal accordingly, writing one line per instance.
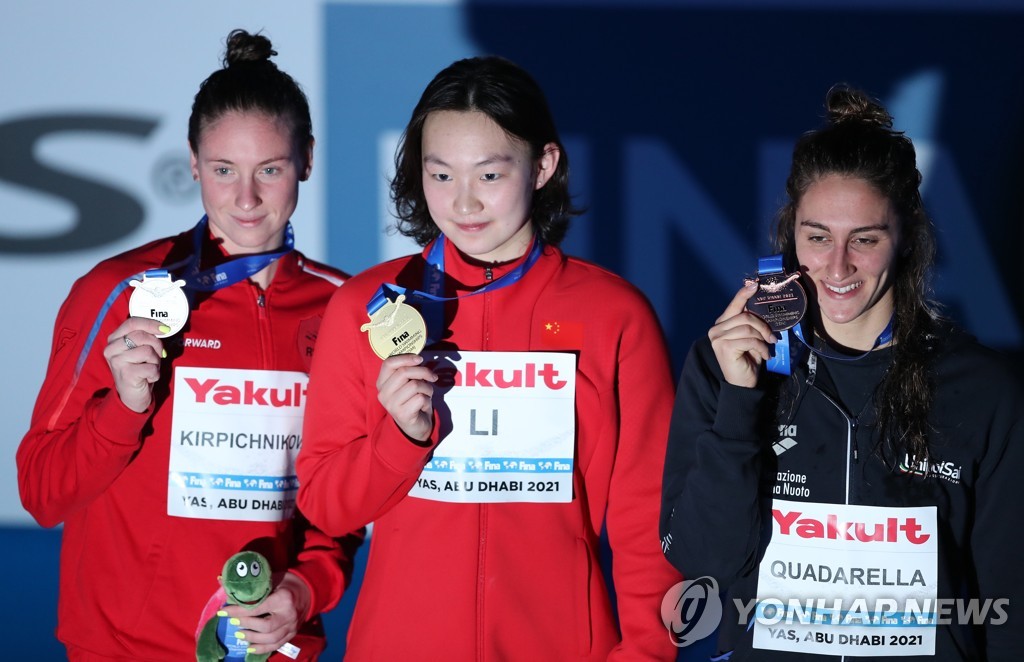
(161, 298)
(396, 328)
(780, 301)
(133, 354)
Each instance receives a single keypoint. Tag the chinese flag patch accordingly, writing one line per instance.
(559, 334)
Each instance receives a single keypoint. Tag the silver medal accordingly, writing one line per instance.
(159, 297)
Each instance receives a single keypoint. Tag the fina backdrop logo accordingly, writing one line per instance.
(691, 610)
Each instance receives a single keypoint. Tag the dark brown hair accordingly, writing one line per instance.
(859, 142)
(250, 82)
(509, 96)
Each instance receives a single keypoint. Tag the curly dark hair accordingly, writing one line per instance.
(508, 95)
(859, 142)
(250, 82)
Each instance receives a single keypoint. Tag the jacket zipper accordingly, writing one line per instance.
(851, 422)
(263, 320)
(481, 580)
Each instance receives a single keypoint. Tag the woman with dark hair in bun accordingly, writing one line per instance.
(165, 432)
(842, 460)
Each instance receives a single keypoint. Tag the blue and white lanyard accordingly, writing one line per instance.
(429, 300)
(207, 280)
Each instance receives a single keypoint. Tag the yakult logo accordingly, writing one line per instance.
(831, 528)
(531, 375)
(214, 391)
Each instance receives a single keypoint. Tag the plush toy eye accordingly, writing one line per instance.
(241, 569)
(256, 569)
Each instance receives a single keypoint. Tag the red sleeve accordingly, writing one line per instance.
(81, 436)
(324, 564)
(642, 576)
(355, 462)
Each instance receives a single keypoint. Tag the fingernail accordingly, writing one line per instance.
(163, 353)
(239, 635)
(235, 621)
(749, 283)
(164, 328)
(222, 613)
(250, 649)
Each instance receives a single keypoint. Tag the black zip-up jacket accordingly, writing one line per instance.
(730, 448)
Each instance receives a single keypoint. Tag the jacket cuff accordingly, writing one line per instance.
(116, 423)
(403, 455)
(738, 408)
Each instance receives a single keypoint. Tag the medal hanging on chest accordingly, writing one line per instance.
(158, 296)
(396, 328)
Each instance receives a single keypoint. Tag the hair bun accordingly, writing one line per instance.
(846, 104)
(245, 47)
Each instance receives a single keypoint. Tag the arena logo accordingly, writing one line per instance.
(104, 214)
(691, 610)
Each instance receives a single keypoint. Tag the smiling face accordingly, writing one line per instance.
(847, 238)
(479, 182)
(249, 168)
(246, 579)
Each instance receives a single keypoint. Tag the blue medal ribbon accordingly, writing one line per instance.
(430, 301)
(780, 362)
(233, 271)
(883, 338)
(207, 280)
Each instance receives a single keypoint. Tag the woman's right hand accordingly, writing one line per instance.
(405, 388)
(740, 340)
(133, 353)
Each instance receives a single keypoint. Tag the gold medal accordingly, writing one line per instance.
(397, 328)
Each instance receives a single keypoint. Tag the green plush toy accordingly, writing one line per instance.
(244, 581)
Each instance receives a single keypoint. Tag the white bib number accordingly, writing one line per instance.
(234, 438)
(848, 580)
(508, 427)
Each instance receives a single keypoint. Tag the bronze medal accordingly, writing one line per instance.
(396, 328)
(780, 300)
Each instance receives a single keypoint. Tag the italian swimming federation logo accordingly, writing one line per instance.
(691, 610)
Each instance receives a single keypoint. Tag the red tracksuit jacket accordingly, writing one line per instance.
(134, 580)
(500, 581)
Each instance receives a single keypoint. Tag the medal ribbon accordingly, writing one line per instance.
(232, 271)
(208, 280)
(883, 338)
(779, 362)
(429, 299)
